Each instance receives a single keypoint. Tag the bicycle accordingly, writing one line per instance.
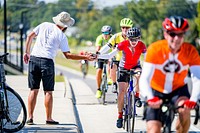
(167, 114)
(104, 85)
(130, 102)
(84, 68)
(13, 112)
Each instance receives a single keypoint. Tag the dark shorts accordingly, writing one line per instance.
(116, 63)
(41, 69)
(100, 63)
(153, 114)
(123, 76)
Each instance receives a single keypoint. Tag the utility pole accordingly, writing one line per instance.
(5, 31)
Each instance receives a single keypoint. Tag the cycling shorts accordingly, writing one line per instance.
(123, 76)
(153, 114)
(41, 69)
(100, 63)
(116, 63)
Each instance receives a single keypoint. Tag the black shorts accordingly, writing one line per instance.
(100, 63)
(123, 76)
(41, 69)
(153, 114)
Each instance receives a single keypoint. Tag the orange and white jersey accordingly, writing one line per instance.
(166, 72)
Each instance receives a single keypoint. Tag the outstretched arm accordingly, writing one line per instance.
(109, 55)
(105, 48)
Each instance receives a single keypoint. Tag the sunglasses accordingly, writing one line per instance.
(125, 27)
(172, 34)
(134, 39)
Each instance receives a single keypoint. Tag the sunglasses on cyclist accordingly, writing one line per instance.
(134, 39)
(172, 34)
(125, 27)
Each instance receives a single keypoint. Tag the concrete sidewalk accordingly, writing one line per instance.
(63, 108)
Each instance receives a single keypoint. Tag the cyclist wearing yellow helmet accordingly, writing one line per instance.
(125, 24)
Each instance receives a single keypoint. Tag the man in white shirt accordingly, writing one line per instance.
(50, 38)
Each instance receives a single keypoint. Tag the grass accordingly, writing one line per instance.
(59, 78)
(73, 64)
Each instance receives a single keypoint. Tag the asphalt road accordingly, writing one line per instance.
(92, 116)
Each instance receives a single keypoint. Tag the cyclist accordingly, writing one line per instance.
(164, 72)
(101, 40)
(125, 24)
(84, 61)
(131, 49)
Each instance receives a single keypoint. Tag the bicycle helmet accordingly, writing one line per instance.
(106, 29)
(126, 22)
(175, 23)
(133, 33)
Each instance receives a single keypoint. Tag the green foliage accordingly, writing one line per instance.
(147, 14)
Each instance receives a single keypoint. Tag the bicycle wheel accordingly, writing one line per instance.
(104, 88)
(1, 112)
(83, 69)
(169, 119)
(133, 108)
(15, 111)
(131, 113)
(125, 113)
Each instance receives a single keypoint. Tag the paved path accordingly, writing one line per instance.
(63, 110)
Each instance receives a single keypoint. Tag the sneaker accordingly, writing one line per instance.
(119, 123)
(30, 122)
(109, 81)
(98, 94)
(114, 88)
(52, 122)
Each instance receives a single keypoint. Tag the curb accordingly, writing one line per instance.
(71, 102)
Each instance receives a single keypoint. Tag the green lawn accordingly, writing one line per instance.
(74, 64)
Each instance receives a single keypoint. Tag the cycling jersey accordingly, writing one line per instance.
(130, 59)
(166, 72)
(116, 39)
(100, 41)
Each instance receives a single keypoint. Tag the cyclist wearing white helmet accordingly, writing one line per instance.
(131, 50)
(125, 24)
(101, 40)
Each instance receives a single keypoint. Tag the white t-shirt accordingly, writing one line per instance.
(49, 39)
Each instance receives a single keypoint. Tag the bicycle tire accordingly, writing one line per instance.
(103, 88)
(16, 113)
(133, 112)
(83, 69)
(125, 112)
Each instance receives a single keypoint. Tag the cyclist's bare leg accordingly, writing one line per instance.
(32, 98)
(48, 104)
(137, 81)
(154, 126)
(98, 77)
(183, 120)
(122, 90)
